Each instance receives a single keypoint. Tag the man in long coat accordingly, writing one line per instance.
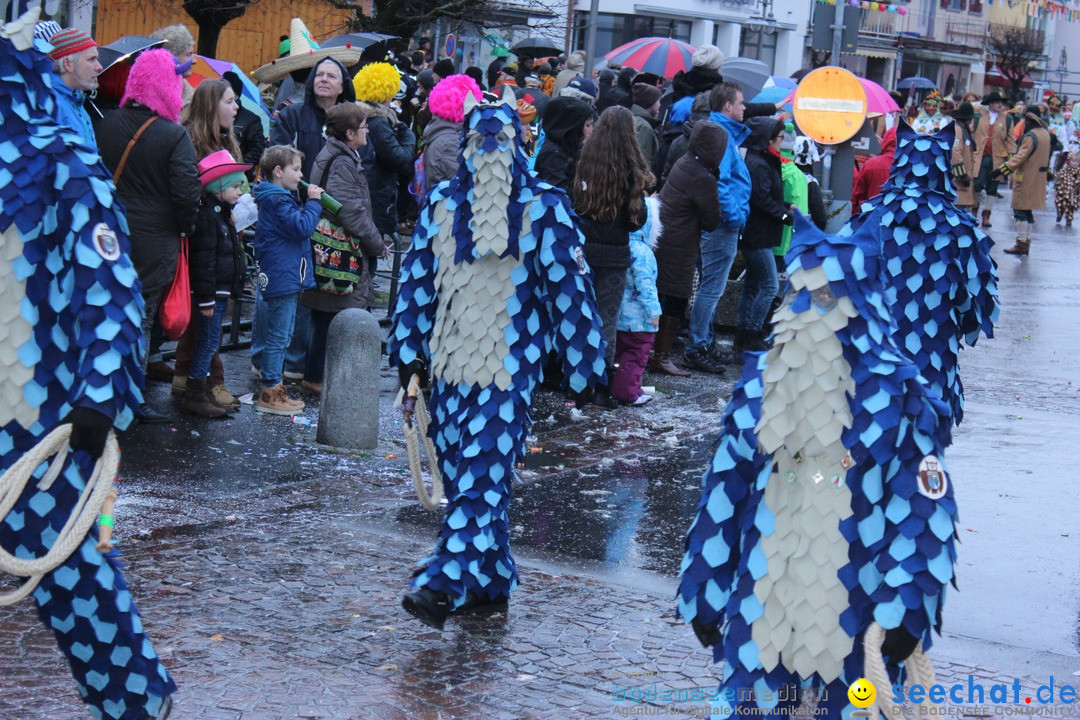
(1028, 169)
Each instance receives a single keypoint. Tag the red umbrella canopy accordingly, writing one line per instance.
(661, 56)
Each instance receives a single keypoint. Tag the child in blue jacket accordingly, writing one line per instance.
(639, 314)
(283, 254)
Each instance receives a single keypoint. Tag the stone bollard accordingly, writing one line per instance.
(349, 409)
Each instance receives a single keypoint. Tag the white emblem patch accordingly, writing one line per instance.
(105, 242)
(263, 280)
(932, 479)
(579, 256)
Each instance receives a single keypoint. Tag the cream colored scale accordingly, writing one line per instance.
(15, 331)
(804, 412)
(468, 342)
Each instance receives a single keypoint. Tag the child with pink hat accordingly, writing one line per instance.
(216, 267)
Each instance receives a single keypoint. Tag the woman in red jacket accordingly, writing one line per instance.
(874, 173)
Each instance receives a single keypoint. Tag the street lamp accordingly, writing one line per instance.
(1062, 70)
(764, 21)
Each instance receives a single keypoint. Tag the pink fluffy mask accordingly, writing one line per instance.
(447, 99)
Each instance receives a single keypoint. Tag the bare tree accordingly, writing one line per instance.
(1014, 50)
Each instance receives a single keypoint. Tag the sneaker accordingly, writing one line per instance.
(294, 376)
(150, 415)
(179, 385)
(275, 401)
(699, 359)
(642, 400)
(721, 356)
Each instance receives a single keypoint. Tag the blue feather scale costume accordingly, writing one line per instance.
(939, 277)
(72, 308)
(495, 280)
(827, 505)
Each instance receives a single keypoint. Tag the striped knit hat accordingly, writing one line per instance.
(68, 42)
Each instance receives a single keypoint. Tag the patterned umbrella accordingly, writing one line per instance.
(662, 56)
(878, 100)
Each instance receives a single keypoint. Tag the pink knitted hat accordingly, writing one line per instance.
(153, 83)
(447, 99)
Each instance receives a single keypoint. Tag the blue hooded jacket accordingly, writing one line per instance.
(283, 241)
(69, 104)
(734, 182)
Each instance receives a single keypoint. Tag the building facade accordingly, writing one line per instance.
(774, 33)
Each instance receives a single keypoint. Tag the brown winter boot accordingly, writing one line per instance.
(197, 400)
(224, 398)
(275, 401)
(660, 361)
(986, 219)
(1023, 241)
(179, 385)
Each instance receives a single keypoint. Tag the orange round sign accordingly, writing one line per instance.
(830, 105)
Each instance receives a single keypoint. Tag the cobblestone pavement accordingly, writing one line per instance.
(269, 575)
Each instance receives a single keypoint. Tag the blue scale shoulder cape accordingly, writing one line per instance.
(83, 302)
(939, 277)
(479, 432)
(901, 543)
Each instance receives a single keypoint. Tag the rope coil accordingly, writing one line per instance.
(919, 672)
(98, 489)
(417, 420)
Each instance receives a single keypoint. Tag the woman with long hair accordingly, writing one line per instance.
(210, 119)
(210, 125)
(609, 196)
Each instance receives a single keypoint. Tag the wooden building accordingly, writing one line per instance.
(249, 41)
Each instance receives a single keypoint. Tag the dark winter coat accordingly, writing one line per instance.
(216, 265)
(768, 211)
(645, 130)
(283, 240)
(815, 202)
(301, 125)
(347, 184)
(159, 189)
(248, 129)
(389, 158)
(564, 125)
(442, 146)
(695, 80)
(689, 205)
(607, 245)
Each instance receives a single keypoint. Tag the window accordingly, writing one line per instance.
(613, 30)
(759, 46)
(954, 4)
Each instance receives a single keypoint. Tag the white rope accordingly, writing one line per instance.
(416, 424)
(83, 516)
(918, 668)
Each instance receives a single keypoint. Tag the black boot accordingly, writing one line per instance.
(756, 342)
(742, 336)
(482, 605)
(427, 606)
(146, 414)
(602, 398)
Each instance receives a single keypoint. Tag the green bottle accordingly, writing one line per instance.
(328, 202)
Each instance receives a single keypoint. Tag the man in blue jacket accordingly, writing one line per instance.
(718, 247)
(75, 60)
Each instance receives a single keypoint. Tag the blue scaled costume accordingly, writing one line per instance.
(940, 280)
(495, 280)
(826, 506)
(71, 309)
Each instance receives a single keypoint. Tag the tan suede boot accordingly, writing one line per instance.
(660, 361)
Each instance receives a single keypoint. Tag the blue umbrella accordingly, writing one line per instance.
(916, 83)
(776, 89)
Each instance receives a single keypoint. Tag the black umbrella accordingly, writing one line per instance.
(358, 40)
(535, 47)
(125, 47)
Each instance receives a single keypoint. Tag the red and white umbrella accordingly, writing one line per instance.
(660, 56)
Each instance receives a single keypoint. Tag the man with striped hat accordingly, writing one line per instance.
(75, 61)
